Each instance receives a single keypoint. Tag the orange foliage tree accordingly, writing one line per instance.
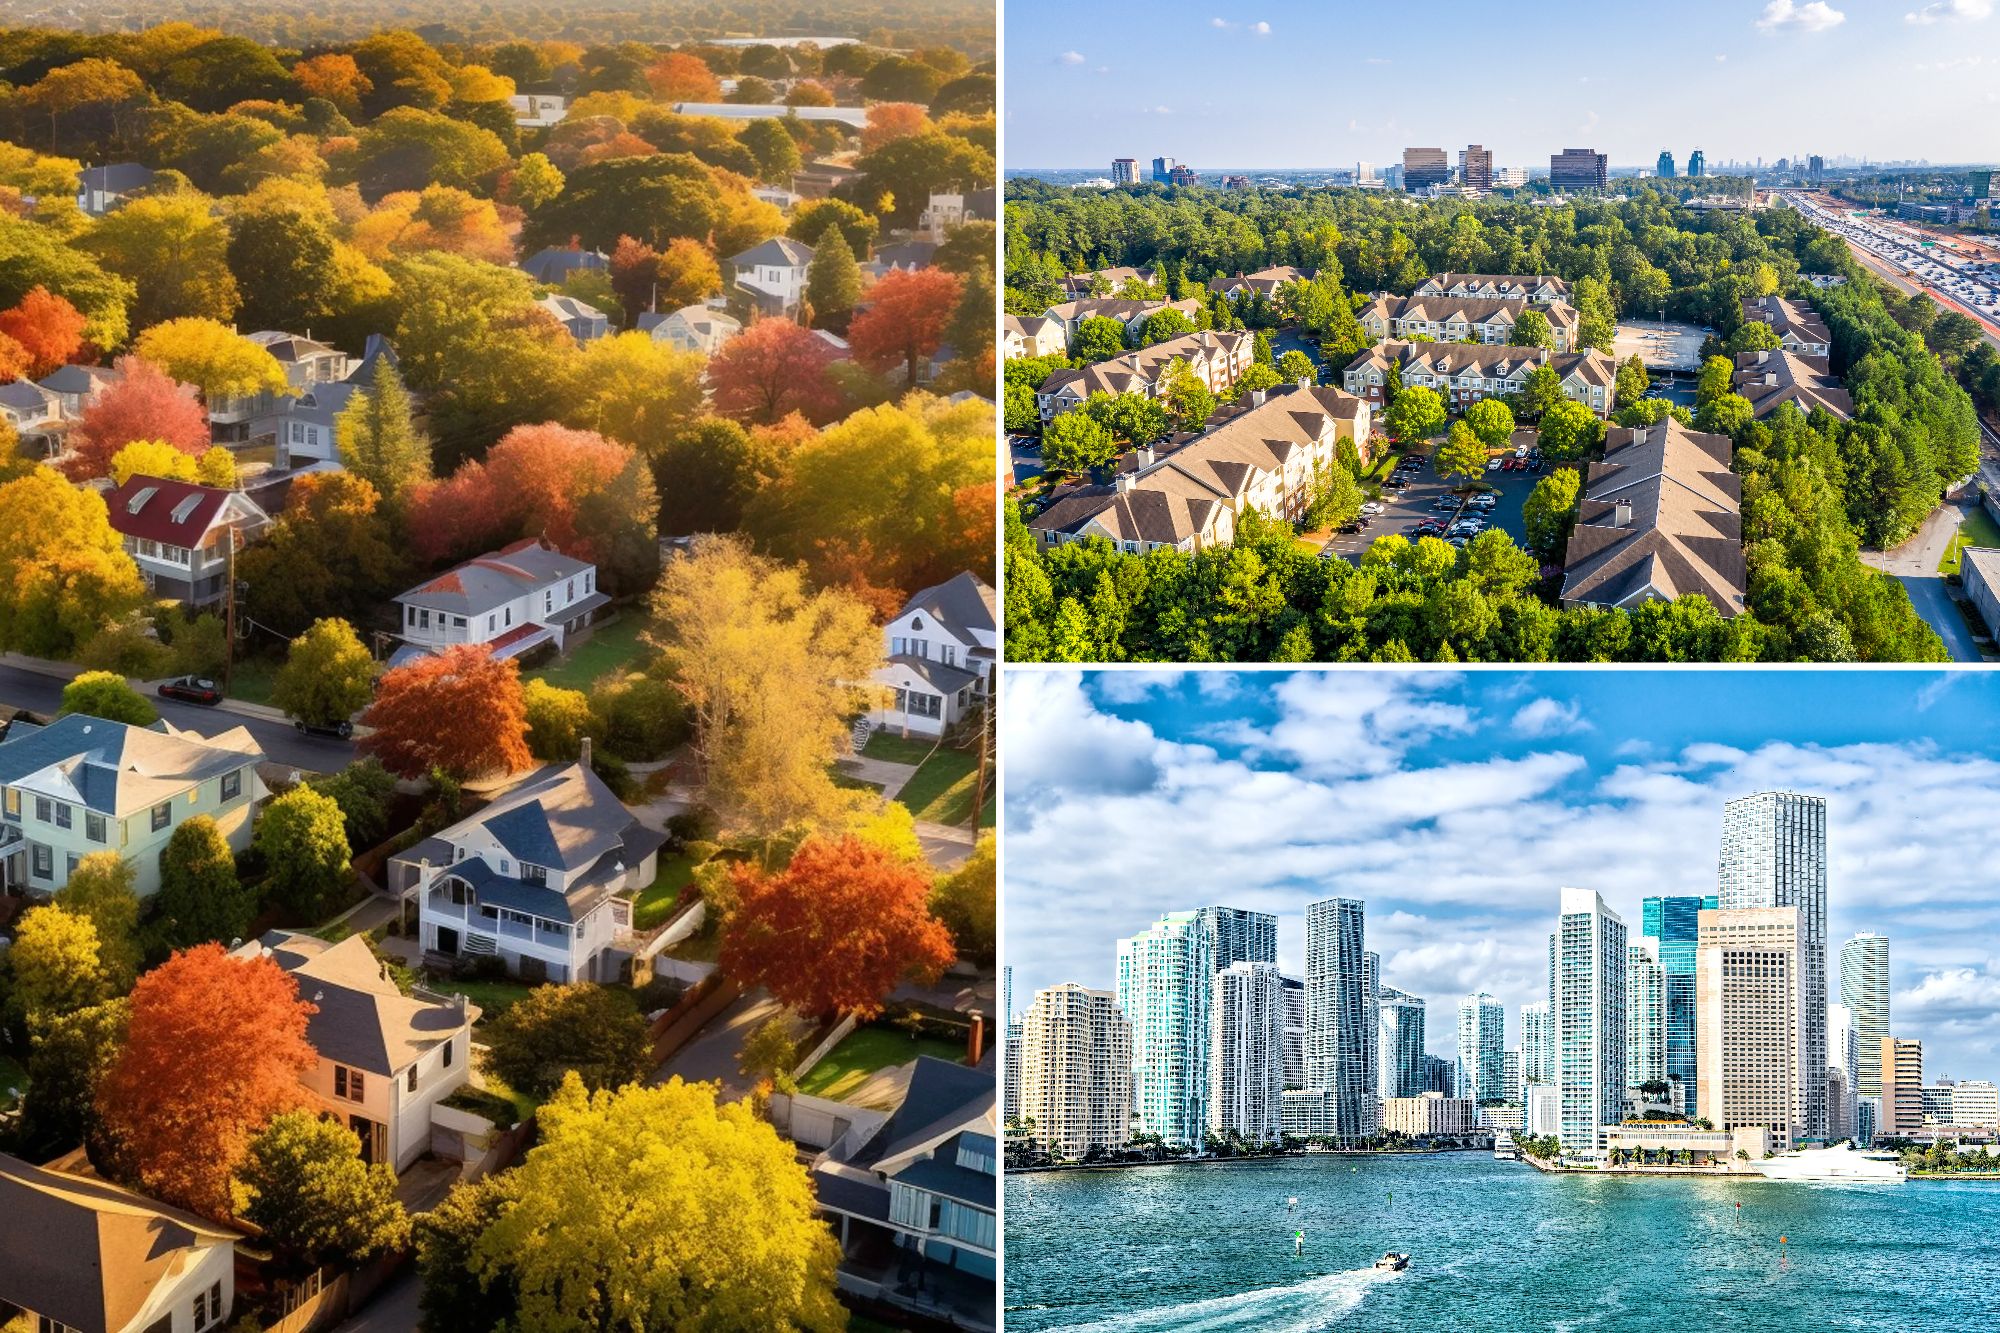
(533, 483)
(890, 121)
(837, 930)
(680, 77)
(773, 369)
(214, 1049)
(145, 403)
(336, 78)
(905, 321)
(47, 327)
(459, 710)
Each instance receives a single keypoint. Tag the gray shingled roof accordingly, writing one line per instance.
(781, 251)
(488, 582)
(117, 769)
(963, 601)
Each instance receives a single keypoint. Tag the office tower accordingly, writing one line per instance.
(1843, 1051)
(1007, 994)
(1867, 1117)
(1510, 178)
(1774, 855)
(1975, 1103)
(1902, 1112)
(1439, 1074)
(1076, 1071)
(1645, 1015)
(1936, 1100)
(1864, 989)
(1749, 984)
(1579, 169)
(1164, 987)
(1163, 169)
(1697, 164)
(1364, 172)
(1124, 171)
(1239, 936)
(1482, 1045)
(1295, 1032)
(1664, 169)
(1510, 1064)
(1399, 1065)
(1816, 169)
(1337, 1037)
(1475, 167)
(1589, 1017)
(1538, 1043)
(1371, 1036)
(1246, 1069)
(1674, 923)
(1424, 167)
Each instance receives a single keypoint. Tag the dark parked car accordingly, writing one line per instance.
(342, 729)
(191, 689)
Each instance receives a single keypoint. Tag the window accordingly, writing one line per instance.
(534, 874)
(13, 803)
(208, 1307)
(45, 862)
(163, 814)
(548, 600)
(423, 618)
(348, 1084)
(44, 809)
(69, 864)
(232, 785)
(44, 1324)
(447, 1055)
(411, 1083)
(93, 827)
(492, 623)
(64, 815)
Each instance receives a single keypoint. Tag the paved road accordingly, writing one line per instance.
(393, 1308)
(1933, 602)
(282, 745)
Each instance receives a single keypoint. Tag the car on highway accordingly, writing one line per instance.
(341, 730)
(192, 689)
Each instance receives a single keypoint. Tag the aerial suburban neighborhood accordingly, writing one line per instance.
(498, 643)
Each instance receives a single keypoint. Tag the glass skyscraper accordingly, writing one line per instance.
(1864, 989)
(1165, 981)
(1675, 924)
(1339, 1043)
(1589, 1015)
(1240, 936)
(1482, 1048)
(1400, 1048)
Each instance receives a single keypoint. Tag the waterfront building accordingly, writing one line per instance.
(1239, 936)
(1902, 1112)
(1673, 923)
(1510, 1063)
(1339, 1043)
(1076, 1071)
(1424, 167)
(1864, 989)
(1975, 1103)
(1295, 1032)
(1124, 171)
(1774, 855)
(1538, 1043)
(1842, 1070)
(1164, 988)
(1544, 1110)
(1427, 1116)
(1749, 983)
(1010, 1049)
(1482, 1045)
(1579, 169)
(1511, 1117)
(1589, 1017)
(1867, 1116)
(1306, 1112)
(1247, 1052)
(1475, 167)
(1371, 1036)
(1440, 1074)
(1706, 1147)
(1664, 168)
(1399, 1058)
(1936, 1101)
(1645, 1015)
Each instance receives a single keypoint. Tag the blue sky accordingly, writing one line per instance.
(1457, 804)
(1318, 83)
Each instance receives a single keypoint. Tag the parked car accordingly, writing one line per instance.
(1372, 507)
(1495, 464)
(341, 730)
(191, 689)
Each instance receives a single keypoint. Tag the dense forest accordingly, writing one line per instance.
(1815, 490)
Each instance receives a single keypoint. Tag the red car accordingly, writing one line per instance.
(191, 689)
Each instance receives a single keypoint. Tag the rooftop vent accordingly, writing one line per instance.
(138, 502)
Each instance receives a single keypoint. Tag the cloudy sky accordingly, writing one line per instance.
(1319, 83)
(1457, 804)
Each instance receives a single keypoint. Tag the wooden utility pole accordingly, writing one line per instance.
(979, 786)
(229, 613)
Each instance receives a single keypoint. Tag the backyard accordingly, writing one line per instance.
(1978, 529)
(610, 647)
(941, 790)
(867, 1051)
(655, 903)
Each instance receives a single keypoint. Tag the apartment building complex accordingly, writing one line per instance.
(1075, 1071)
(1218, 360)
(1537, 289)
(1340, 1042)
(1799, 328)
(1430, 1115)
(1769, 379)
(1489, 320)
(1588, 954)
(1246, 1075)
(1462, 374)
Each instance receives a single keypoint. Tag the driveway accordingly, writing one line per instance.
(711, 1056)
(392, 1309)
(1932, 599)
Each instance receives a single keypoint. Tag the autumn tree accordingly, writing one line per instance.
(905, 320)
(680, 77)
(409, 148)
(556, 1030)
(175, 250)
(812, 218)
(458, 710)
(64, 574)
(48, 329)
(178, 1126)
(708, 471)
(534, 181)
(967, 902)
(54, 965)
(328, 554)
(769, 670)
(438, 217)
(328, 674)
(142, 403)
(303, 1183)
(213, 466)
(378, 436)
(635, 390)
(213, 357)
(776, 151)
(200, 897)
(840, 927)
(890, 121)
(774, 368)
(102, 890)
(336, 78)
(833, 280)
(106, 694)
(558, 720)
(302, 838)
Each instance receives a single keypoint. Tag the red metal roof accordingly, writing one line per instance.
(154, 517)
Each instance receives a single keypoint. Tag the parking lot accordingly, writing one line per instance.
(1420, 499)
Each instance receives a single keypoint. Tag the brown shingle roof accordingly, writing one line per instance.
(1682, 528)
(1769, 378)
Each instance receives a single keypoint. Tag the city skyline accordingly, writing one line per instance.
(1253, 746)
(1085, 86)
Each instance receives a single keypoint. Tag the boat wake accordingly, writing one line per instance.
(1303, 1307)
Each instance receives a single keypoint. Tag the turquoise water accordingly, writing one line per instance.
(1492, 1245)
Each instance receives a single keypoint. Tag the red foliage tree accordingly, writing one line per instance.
(14, 360)
(145, 403)
(215, 1048)
(460, 710)
(532, 484)
(48, 327)
(905, 320)
(890, 121)
(774, 368)
(635, 271)
(837, 930)
(680, 77)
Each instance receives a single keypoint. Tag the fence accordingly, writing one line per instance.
(818, 1123)
(324, 1299)
(676, 1027)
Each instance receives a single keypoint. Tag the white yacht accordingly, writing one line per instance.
(1841, 1162)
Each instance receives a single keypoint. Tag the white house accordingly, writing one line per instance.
(538, 111)
(512, 600)
(941, 649)
(101, 189)
(385, 1058)
(540, 878)
(692, 328)
(771, 277)
(83, 785)
(81, 1255)
(239, 418)
(181, 534)
(585, 322)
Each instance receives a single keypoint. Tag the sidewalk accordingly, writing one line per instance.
(67, 671)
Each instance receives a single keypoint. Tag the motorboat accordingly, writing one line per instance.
(1393, 1262)
(1842, 1162)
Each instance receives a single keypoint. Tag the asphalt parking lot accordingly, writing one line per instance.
(1403, 510)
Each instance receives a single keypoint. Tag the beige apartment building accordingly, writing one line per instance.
(1902, 1088)
(1749, 988)
(1427, 1116)
(1076, 1071)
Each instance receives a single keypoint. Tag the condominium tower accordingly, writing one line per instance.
(1774, 855)
(1076, 1071)
(1482, 1049)
(1165, 981)
(1124, 171)
(1240, 936)
(1902, 1065)
(1749, 984)
(1399, 1060)
(1295, 1032)
(1864, 989)
(1843, 1059)
(1538, 1043)
(1645, 1015)
(1339, 1041)
(1673, 923)
(1588, 1011)
(1371, 1027)
(1246, 1072)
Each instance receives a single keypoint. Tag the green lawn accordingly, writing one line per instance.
(655, 902)
(608, 648)
(250, 680)
(941, 791)
(866, 1050)
(11, 1076)
(493, 998)
(894, 749)
(1979, 529)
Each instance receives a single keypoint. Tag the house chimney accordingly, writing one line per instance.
(1257, 397)
(1303, 382)
(1145, 455)
(583, 751)
(1125, 481)
(1621, 514)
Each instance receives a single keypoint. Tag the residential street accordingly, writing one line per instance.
(711, 1056)
(1932, 599)
(1915, 566)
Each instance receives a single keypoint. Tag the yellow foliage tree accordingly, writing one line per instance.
(440, 217)
(153, 458)
(55, 964)
(213, 357)
(637, 391)
(64, 573)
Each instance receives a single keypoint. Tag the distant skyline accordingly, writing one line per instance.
(1300, 85)
(1457, 805)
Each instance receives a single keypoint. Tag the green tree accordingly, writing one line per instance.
(770, 1052)
(1188, 401)
(1295, 365)
(1714, 381)
(363, 791)
(1752, 336)
(67, 1055)
(328, 675)
(303, 840)
(967, 899)
(378, 436)
(1492, 421)
(1417, 414)
(557, 1030)
(833, 280)
(1074, 442)
(286, 263)
(1541, 391)
(101, 888)
(1597, 314)
(558, 720)
(776, 151)
(455, 1298)
(1260, 375)
(1336, 499)
(1098, 339)
(1130, 417)
(1549, 510)
(1463, 453)
(1726, 415)
(1531, 329)
(1164, 324)
(54, 966)
(304, 1184)
(105, 694)
(200, 897)
(1569, 430)
(1632, 382)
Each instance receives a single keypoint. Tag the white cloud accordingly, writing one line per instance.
(1722, 60)
(1129, 687)
(1940, 685)
(1357, 721)
(1549, 717)
(1261, 29)
(1951, 11)
(1220, 23)
(1378, 60)
(1071, 58)
(1816, 16)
